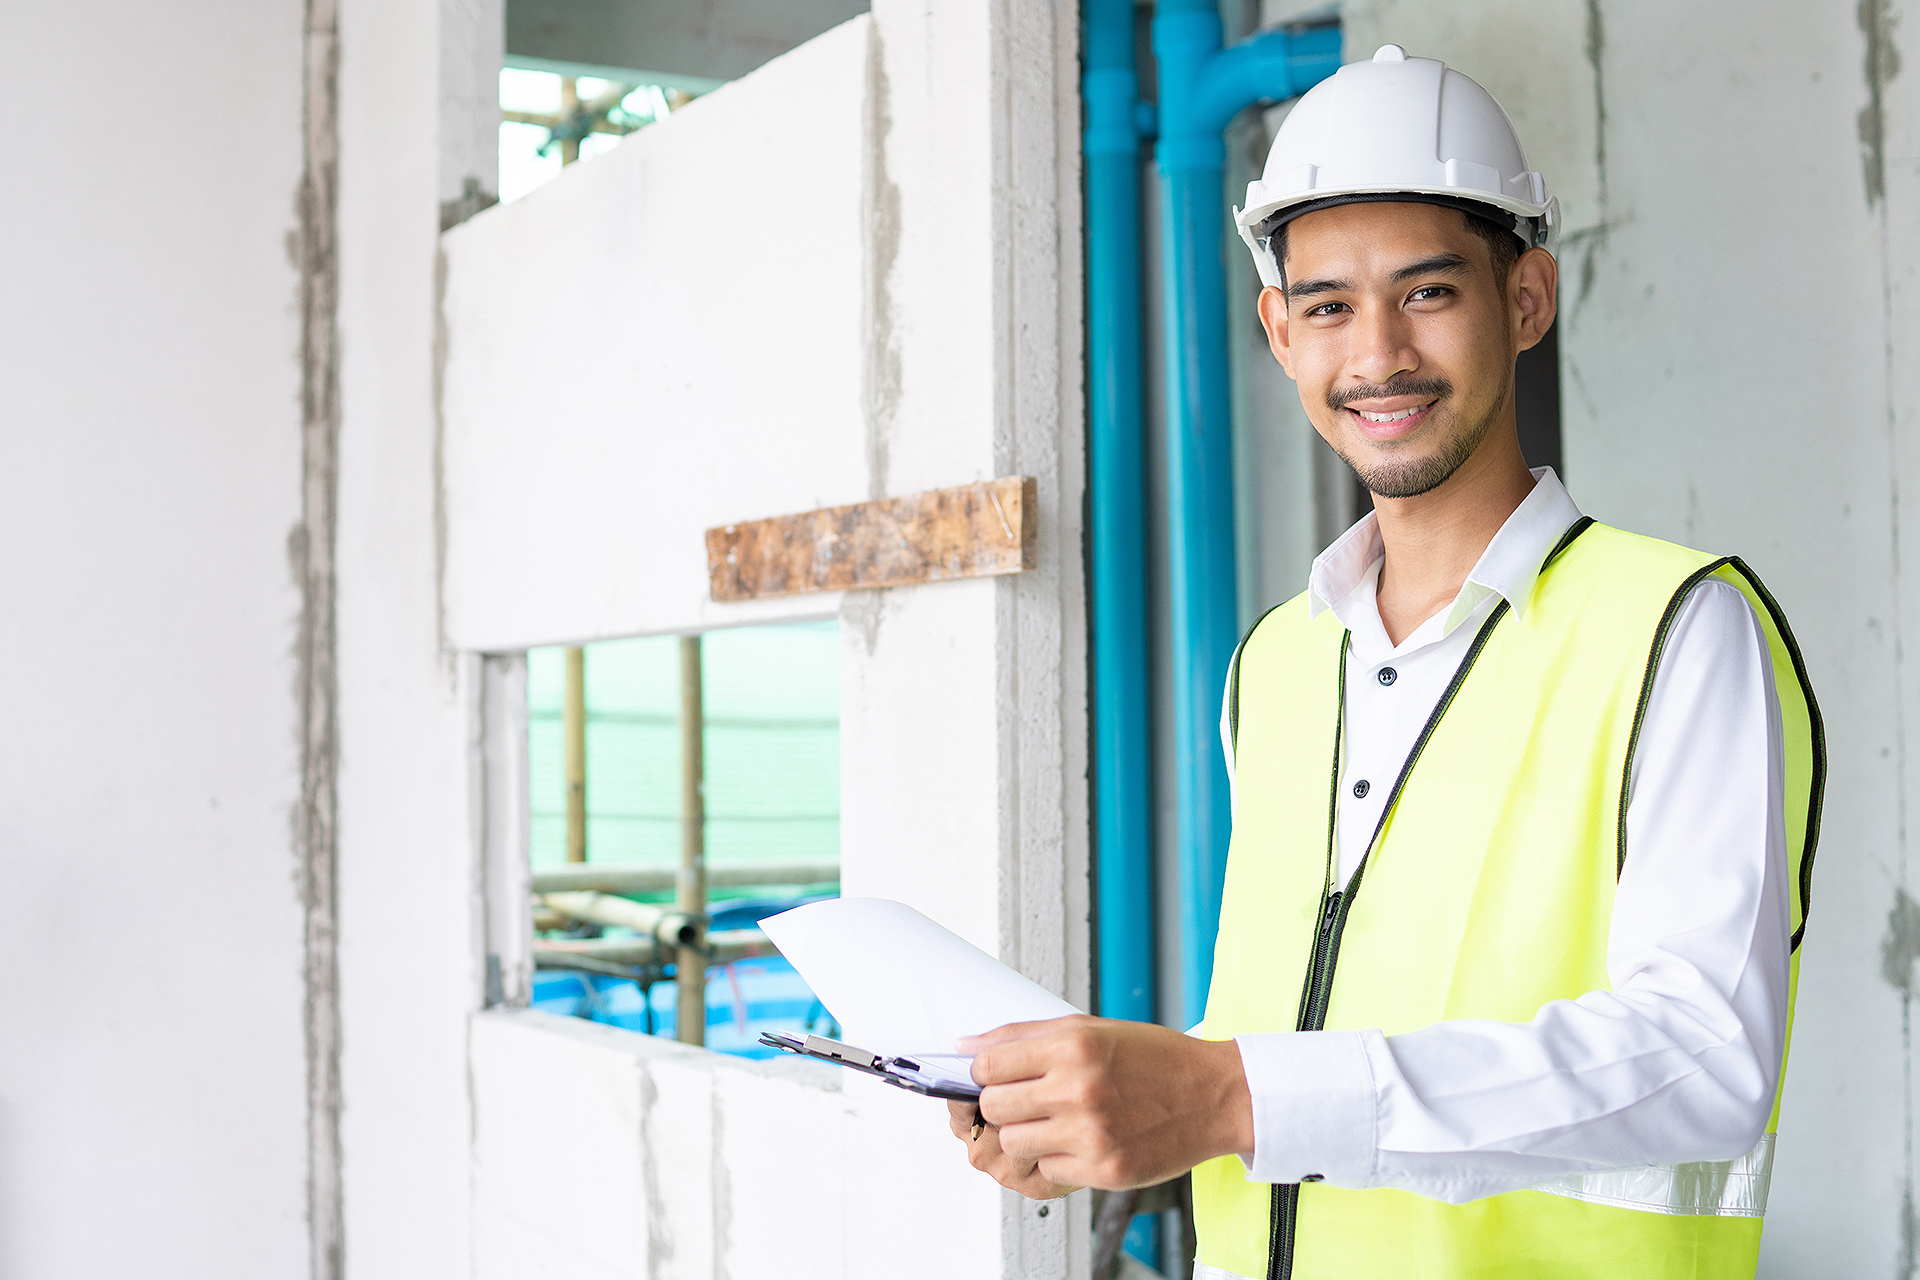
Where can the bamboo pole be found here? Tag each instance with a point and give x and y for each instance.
(573, 719)
(691, 891)
(569, 107)
(636, 878)
(724, 946)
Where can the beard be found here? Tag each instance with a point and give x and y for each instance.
(1411, 477)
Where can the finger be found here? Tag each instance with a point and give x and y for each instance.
(960, 1118)
(1017, 1103)
(1024, 1059)
(1012, 1031)
(1041, 1139)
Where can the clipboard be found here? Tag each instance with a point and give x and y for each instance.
(903, 1073)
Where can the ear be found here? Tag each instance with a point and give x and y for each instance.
(1532, 296)
(1273, 318)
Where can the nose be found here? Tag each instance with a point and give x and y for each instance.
(1382, 345)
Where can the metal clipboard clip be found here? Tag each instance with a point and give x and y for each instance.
(902, 1073)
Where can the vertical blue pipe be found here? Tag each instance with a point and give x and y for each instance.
(1202, 87)
(1117, 465)
(1116, 447)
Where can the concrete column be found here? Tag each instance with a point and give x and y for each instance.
(964, 731)
(418, 146)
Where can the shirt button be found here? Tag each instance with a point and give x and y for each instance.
(1360, 789)
(1388, 675)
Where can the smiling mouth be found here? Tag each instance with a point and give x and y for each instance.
(1383, 426)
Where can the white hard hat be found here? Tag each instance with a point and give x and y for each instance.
(1396, 128)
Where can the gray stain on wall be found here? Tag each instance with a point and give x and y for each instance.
(882, 252)
(1882, 65)
(310, 552)
(1898, 952)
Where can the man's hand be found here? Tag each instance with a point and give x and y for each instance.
(1093, 1102)
(984, 1154)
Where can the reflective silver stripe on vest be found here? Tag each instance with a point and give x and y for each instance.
(1722, 1188)
(1201, 1271)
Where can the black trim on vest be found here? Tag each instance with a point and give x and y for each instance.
(1336, 905)
(1818, 725)
(1233, 677)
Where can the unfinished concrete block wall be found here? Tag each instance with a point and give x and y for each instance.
(853, 273)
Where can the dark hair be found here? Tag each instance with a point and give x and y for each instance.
(1502, 246)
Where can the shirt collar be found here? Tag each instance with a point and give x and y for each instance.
(1344, 573)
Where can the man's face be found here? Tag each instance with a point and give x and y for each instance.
(1400, 337)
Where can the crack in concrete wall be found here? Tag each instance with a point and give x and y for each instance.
(864, 611)
(1596, 49)
(881, 199)
(310, 548)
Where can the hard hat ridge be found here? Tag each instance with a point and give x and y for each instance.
(1396, 128)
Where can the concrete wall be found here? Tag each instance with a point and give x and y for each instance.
(665, 339)
(153, 1109)
(417, 130)
(852, 274)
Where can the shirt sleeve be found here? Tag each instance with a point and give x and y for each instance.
(1679, 1062)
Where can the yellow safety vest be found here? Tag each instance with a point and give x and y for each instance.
(1486, 892)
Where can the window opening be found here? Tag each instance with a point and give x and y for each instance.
(549, 119)
(609, 830)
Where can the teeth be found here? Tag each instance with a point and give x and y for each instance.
(1389, 417)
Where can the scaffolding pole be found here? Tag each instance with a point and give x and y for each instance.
(691, 897)
(573, 722)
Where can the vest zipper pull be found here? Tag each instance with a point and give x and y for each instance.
(1333, 909)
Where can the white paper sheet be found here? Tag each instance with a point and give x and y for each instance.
(899, 984)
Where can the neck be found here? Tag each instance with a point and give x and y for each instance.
(1433, 540)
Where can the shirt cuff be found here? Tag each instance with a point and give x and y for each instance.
(1314, 1107)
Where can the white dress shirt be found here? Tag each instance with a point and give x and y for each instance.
(1679, 1061)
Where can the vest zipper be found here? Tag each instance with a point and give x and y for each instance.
(1314, 1000)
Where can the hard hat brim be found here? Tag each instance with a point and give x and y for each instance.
(1506, 219)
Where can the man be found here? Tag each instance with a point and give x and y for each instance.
(1525, 806)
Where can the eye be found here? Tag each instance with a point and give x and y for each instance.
(1327, 309)
(1429, 293)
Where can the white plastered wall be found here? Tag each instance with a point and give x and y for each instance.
(854, 273)
(418, 130)
(153, 1115)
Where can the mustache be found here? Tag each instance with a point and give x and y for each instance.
(1438, 388)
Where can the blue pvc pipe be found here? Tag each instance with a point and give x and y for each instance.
(1122, 755)
(1116, 448)
(1202, 87)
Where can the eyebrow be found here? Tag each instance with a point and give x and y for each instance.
(1438, 264)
